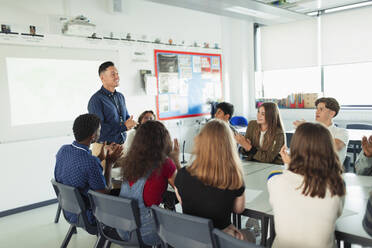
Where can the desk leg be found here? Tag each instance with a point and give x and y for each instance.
(347, 244)
(234, 217)
(239, 220)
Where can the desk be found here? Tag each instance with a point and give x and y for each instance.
(348, 226)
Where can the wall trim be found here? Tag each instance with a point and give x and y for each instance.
(27, 207)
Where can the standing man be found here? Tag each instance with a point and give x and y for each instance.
(327, 108)
(109, 105)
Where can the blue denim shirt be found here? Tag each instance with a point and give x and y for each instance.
(110, 108)
(77, 167)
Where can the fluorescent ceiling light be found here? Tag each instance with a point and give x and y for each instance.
(314, 13)
(251, 12)
(351, 6)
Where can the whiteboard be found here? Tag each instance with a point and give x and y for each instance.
(43, 89)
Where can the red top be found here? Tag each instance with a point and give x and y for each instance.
(157, 183)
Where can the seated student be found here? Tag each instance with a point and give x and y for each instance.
(147, 115)
(264, 137)
(77, 167)
(363, 165)
(148, 167)
(213, 187)
(327, 108)
(224, 112)
(367, 221)
(308, 197)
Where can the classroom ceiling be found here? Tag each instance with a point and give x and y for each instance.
(265, 12)
(307, 6)
(250, 10)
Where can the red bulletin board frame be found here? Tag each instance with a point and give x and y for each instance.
(156, 51)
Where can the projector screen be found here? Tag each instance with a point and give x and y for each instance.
(49, 90)
(43, 90)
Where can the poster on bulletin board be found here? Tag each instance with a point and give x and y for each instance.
(186, 82)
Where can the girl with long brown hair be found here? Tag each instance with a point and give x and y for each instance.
(147, 115)
(213, 187)
(264, 137)
(150, 164)
(307, 198)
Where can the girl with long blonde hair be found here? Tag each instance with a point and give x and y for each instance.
(213, 187)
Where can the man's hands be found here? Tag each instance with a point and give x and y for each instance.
(284, 154)
(130, 123)
(367, 146)
(243, 141)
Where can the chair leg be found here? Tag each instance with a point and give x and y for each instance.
(107, 244)
(69, 234)
(264, 229)
(100, 243)
(56, 219)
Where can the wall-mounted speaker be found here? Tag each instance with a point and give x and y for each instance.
(115, 6)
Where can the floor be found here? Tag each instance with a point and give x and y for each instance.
(36, 228)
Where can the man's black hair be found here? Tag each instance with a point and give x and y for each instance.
(85, 126)
(104, 66)
(227, 108)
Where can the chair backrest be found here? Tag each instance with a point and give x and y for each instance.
(359, 126)
(224, 240)
(288, 137)
(239, 121)
(182, 230)
(70, 200)
(113, 211)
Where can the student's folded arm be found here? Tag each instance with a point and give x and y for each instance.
(239, 204)
(172, 179)
(272, 153)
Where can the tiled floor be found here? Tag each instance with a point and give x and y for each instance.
(36, 228)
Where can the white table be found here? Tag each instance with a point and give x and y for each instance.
(348, 226)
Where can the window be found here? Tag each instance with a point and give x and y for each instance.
(349, 83)
(281, 83)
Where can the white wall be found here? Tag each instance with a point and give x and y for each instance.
(28, 166)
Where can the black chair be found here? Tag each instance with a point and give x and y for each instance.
(347, 165)
(70, 199)
(113, 213)
(359, 126)
(182, 230)
(266, 221)
(288, 137)
(224, 240)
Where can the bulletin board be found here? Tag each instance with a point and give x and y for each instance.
(186, 82)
